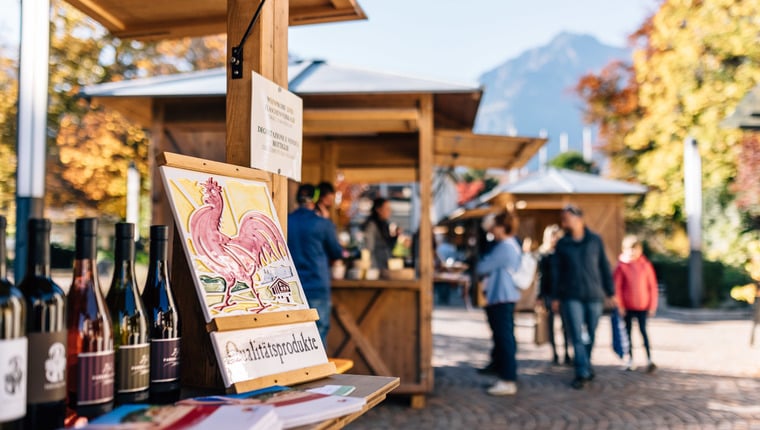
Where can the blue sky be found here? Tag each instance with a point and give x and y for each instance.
(444, 39)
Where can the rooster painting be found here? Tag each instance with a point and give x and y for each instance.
(236, 259)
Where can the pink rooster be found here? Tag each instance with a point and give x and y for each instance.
(236, 259)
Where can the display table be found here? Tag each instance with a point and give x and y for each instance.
(372, 388)
(456, 280)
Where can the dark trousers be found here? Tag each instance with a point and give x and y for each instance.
(552, 334)
(501, 318)
(641, 317)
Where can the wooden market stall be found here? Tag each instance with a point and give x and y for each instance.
(370, 127)
(265, 53)
(538, 198)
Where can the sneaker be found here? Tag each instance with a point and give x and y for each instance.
(579, 383)
(629, 366)
(503, 388)
(651, 367)
(488, 370)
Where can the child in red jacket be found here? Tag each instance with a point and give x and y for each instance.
(636, 289)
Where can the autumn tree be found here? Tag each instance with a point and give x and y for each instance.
(9, 83)
(612, 103)
(91, 146)
(694, 61)
(573, 160)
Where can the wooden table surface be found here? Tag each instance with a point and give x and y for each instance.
(372, 388)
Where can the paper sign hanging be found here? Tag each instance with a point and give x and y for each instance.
(276, 128)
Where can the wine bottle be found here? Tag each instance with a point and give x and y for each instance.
(90, 356)
(13, 347)
(163, 321)
(130, 325)
(46, 331)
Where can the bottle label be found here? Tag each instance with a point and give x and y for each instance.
(47, 367)
(164, 360)
(133, 368)
(95, 377)
(13, 372)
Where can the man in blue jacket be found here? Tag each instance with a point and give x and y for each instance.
(582, 282)
(313, 244)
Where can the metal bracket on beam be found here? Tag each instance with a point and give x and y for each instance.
(236, 60)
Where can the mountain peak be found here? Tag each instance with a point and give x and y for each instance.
(533, 91)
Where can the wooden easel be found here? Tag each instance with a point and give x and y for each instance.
(200, 367)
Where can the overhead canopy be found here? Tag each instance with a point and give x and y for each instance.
(563, 181)
(456, 104)
(142, 19)
(548, 189)
(479, 151)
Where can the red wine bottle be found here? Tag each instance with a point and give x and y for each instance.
(90, 356)
(13, 348)
(46, 331)
(163, 321)
(130, 325)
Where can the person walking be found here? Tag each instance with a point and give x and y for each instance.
(313, 244)
(582, 281)
(552, 234)
(501, 296)
(636, 288)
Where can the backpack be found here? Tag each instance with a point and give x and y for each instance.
(525, 274)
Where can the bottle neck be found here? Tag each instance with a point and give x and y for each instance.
(124, 257)
(84, 260)
(158, 251)
(38, 259)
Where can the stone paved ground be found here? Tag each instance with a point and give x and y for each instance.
(707, 378)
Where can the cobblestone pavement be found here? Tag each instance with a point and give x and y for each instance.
(706, 380)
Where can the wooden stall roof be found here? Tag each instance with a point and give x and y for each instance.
(455, 104)
(563, 181)
(550, 189)
(165, 19)
(455, 148)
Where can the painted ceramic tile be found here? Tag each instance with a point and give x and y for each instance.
(234, 244)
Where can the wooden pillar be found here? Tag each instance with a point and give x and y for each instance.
(426, 140)
(266, 52)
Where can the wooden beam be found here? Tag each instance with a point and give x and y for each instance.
(188, 27)
(96, 11)
(474, 162)
(426, 149)
(318, 15)
(373, 114)
(353, 128)
(266, 53)
(379, 175)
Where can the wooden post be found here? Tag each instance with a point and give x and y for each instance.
(266, 52)
(426, 137)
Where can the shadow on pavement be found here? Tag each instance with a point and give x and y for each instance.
(616, 399)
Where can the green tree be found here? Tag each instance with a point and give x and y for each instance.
(572, 160)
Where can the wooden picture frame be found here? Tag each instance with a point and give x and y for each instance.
(210, 367)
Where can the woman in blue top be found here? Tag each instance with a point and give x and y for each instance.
(501, 296)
